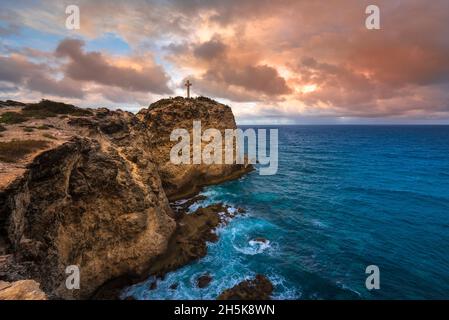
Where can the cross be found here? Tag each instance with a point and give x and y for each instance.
(188, 84)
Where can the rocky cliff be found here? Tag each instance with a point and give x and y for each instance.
(162, 117)
(90, 188)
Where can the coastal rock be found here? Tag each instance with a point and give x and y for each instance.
(260, 240)
(259, 288)
(189, 241)
(79, 204)
(182, 181)
(174, 286)
(203, 281)
(93, 193)
(182, 206)
(21, 290)
(153, 285)
(241, 210)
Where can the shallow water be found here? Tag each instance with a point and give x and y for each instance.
(344, 197)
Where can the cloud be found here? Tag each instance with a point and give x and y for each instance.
(93, 66)
(210, 50)
(70, 72)
(301, 58)
(15, 69)
(224, 72)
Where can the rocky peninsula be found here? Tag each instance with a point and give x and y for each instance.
(92, 188)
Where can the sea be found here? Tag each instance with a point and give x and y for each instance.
(344, 198)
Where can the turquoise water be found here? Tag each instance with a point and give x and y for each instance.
(344, 197)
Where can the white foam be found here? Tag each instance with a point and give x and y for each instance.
(255, 247)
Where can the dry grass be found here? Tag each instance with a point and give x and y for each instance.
(14, 150)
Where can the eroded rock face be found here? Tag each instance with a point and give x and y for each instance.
(84, 204)
(189, 241)
(162, 117)
(96, 196)
(21, 290)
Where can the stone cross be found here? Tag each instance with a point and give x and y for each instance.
(188, 84)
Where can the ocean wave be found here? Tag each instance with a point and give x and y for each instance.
(318, 223)
(254, 247)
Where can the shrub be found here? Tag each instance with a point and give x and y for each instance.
(14, 150)
(205, 99)
(28, 129)
(12, 118)
(47, 108)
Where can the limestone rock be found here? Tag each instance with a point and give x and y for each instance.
(181, 181)
(21, 290)
(204, 280)
(95, 195)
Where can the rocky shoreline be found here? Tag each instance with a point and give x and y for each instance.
(187, 244)
(95, 193)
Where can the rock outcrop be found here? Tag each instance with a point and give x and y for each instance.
(181, 181)
(95, 194)
(21, 290)
(259, 288)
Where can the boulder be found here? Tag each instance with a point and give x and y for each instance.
(259, 288)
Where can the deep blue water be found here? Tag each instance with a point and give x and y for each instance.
(344, 197)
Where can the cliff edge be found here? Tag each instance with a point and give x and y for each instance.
(90, 188)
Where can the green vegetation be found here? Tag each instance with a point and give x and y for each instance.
(47, 108)
(14, 150)
(28, 129)
(176, 101)
(43, 127)
(12, 118)
(42, 110)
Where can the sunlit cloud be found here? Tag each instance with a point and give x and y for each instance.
(271, 61)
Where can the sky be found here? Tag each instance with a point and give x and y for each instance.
(273, 62)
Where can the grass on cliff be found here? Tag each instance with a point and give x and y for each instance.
(169, 101)
(12, 118)
(16, 149)
(42, 110)
(47, 108)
